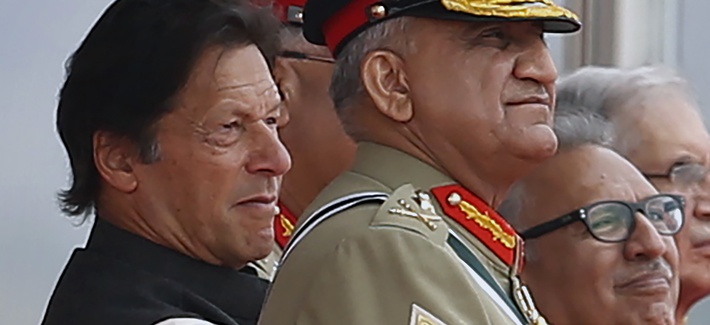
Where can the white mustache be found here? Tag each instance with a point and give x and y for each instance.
(658, 267)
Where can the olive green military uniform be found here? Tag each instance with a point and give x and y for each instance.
(394, 241)
(368, 265)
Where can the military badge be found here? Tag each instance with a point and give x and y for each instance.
(420, 316)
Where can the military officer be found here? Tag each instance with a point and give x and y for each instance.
(303, 71)
(450, 102)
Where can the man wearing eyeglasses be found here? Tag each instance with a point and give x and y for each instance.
(655, 123)
(598, 236)
(319, 148)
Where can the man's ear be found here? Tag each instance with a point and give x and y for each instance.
(115, 157)
(385, 80)
(286, 79)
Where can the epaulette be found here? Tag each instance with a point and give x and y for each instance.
(481, 220)
(413, 210)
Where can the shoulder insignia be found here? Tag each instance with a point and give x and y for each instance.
(480, 220)
(284, 224)
(426, 213)
(412, 209)
(420, 316)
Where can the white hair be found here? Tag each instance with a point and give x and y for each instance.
(592, 95)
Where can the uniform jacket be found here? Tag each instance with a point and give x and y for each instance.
(369, 265)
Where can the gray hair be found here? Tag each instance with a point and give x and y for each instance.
(512, 207)
(347, 85)
(588, 98)
(512, 211)
(577, 125)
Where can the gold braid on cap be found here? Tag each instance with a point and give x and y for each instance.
(510, 8)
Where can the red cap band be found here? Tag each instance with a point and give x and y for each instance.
(346, 21)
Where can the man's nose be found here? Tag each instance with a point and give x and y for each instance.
(267, 153)
(645, 243)
(536, 63)
(701, 196)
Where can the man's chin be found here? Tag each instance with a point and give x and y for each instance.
(660, 311)
(261, 251)
(263, 254)
(534, 143)
(535, 150)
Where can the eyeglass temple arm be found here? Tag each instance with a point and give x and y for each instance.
(551, 225)
(656, 175)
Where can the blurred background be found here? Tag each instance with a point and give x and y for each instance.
(37, 36)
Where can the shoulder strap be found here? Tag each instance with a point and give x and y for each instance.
(330, 209)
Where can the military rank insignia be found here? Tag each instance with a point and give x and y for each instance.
(479, 219)
(284, 225)
(427, 213)
(420, 316)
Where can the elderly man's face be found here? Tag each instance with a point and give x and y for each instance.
(218, 177)
(578, 279)
(482, 89)
(663, 134)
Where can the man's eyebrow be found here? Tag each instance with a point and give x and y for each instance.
(682, 160)
(248, 111)
(276, 107)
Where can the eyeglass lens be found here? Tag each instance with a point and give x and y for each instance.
(689, 174)
(614, 221)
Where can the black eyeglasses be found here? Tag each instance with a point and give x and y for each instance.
(615, 221)
(305, 56)
(684, 174)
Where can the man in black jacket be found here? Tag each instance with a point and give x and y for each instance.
(169, 116)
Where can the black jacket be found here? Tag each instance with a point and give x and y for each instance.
(122, 278)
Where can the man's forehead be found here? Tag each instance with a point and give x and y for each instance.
(245, 63)
(660, 126)
(241, 69)
(256, 87)
(230, 77)
(586, 175)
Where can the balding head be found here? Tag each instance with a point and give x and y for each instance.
(571, 179)
(576, 278)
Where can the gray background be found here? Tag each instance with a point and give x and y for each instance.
(36, 36)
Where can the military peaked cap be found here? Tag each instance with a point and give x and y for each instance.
(335, 22)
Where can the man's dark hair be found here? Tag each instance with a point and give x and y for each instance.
(127, 72)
